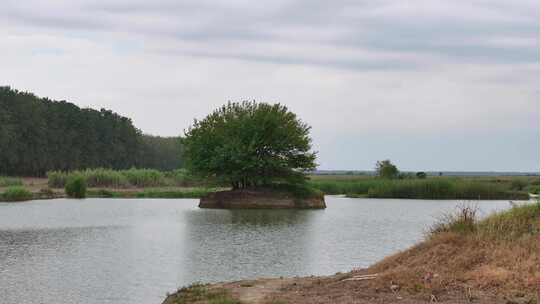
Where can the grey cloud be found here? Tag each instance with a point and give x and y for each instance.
(256, 22)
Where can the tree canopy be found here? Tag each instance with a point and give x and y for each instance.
(39, 134)
(385, 169)
(249, 144)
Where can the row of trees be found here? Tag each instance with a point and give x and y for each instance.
(39, 134)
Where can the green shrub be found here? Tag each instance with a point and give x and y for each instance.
(76, 187)
(421, 175)
(533, 189)
(57, 179)
(518, 184)
(10, 181)
(16, 194)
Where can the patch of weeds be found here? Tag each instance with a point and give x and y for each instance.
(17, 194)
(201, 293)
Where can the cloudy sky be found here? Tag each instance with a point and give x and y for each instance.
(432, 85)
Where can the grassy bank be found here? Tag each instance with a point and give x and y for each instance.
(498, 254)
(430, 188)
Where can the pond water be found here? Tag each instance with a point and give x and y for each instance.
(135, 251)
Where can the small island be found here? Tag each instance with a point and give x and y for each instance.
(261, 150)
(260, 199)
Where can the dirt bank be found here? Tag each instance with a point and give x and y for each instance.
(260, 199)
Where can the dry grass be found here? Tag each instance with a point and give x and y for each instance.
(498, 255)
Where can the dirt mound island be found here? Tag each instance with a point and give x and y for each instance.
(262, 199)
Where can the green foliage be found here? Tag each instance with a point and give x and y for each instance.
(429, 188)
(385, 169)
(103, 177)
(200, 293)
(421, 175)
(144, 177)
(297, 190)
(39, 135)
(76, 187)
(533, 189)
(518, 184)
(191, 193)
(57, 179)
(16, 194)
(250, 144)
(442, 189)
(343, 186)
(162, 153)
(10, 181)
(112, 178)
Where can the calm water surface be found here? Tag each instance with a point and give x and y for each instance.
(98, 251)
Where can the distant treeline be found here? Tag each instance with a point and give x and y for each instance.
(38, 135)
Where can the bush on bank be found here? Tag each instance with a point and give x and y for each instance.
(76, 187)
(16, 194)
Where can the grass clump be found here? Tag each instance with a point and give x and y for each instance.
(57, 179)
(10, 181)
(76, 187)
(16, 194)
(144, 177)
(203, 294)
(463, 221)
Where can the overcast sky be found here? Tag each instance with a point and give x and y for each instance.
(432, 85)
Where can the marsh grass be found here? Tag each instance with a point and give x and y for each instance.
(10, 181)
(430, 188)
(443, 189)
(132, 178)
(16, 194)
(344, 186)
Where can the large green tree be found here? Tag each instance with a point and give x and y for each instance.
(385, 169)
(250, 144)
